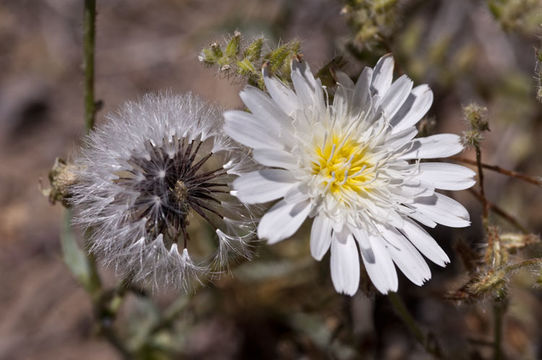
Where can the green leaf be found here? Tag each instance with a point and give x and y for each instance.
(246, 67)
(81, 265)
(254, 51)
(232, 49)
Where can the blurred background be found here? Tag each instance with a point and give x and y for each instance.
(282, 305)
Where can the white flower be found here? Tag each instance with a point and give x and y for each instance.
(156, 167)
(354, 167)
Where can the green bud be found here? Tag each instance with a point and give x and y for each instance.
(253, 51)
(232, 49)
(245, 67)
(216, 50)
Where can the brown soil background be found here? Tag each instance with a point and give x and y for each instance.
(152, 45)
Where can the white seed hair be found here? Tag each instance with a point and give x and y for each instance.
(127, 224)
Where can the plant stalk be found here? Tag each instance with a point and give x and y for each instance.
(500, 170)
(89, 33)
(104, 316)
(432, 347)
(499, 308)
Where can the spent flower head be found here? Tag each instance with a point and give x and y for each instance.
(157, 170)
(353, 165)
(476, 117)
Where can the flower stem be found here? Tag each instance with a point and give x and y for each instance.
(431, 346)
(104, 315)
(511, 173)
(499, 211)
(483, 199)
(89, 32)
(499, 308)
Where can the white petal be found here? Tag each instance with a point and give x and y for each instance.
(420, 217)
(274, 158)
(424, 242)
(396, 96)
(283, 220)
(407, 258)
(414, 108)
(263, 107)
(283, 96)
(362, 94)
(297, 194)
(446, 176)
(442, 210)
(380, 267)
(341, 101)
(362, 238)
(320, 236)
(410, 191)
(400, 138)
(247, 130)
(305, 71)
(382, 75)
(344, 80)
(344, 265)
(308, 90)
(435, 146)
(263, 185)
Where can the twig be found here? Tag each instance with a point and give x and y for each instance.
(89, 32)
(108, 332)
(499, 300)
(480, 342)
(524, 263)
(432, 347)
(89, 29)
(499, 211)
(102, 298)
(511, 173)
(499, 308)
(483, 199)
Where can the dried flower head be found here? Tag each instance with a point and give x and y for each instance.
(150, 178)
(476, 117)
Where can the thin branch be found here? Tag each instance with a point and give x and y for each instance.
(499, 211)
(499, 308)
(483, 199)
(108, 332)
(500, 170)
(89, 32)
(432, 347)
(524, 263)
(480, 342)
(103, 314)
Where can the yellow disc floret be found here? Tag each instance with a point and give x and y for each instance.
(343, 165)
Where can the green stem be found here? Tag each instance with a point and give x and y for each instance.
(499, 211)
(398, 305)
(89, 32)
(499, 308)
(485, 204)
(103, 313)
(499, 302)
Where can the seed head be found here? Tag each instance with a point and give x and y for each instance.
(152, 181)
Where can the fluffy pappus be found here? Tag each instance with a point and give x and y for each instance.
(153, 182)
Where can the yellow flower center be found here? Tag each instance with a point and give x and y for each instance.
(343, 164)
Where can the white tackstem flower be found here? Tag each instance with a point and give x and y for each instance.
(155, 166)
(354, 166)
